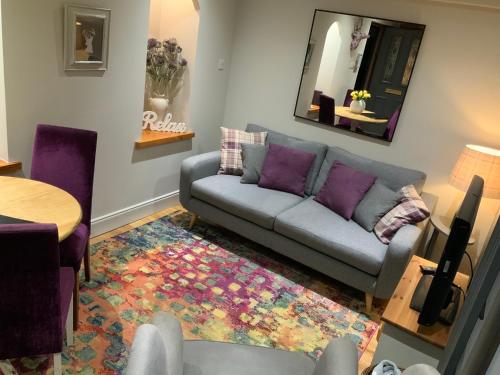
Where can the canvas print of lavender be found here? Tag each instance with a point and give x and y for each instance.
(165, 67)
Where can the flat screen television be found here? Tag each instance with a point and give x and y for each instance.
(436, 297)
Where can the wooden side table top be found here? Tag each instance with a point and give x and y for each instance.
(443, 225)
(38, 202)
(398, 312)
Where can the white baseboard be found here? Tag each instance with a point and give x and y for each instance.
(132, 213)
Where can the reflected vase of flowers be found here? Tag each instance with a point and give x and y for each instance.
(358, 103)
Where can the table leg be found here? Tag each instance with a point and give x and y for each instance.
(431, 243)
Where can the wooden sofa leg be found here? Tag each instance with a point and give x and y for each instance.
(86, 260)
(76, 299)
(192, 221)
(368, 302)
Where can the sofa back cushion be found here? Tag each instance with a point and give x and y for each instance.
(392, 176)
(313, 147)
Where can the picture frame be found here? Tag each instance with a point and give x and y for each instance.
(86, 38)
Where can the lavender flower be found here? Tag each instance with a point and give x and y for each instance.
(152, 43)
(165, 67)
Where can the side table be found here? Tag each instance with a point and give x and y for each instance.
(440, 225)
(402, 340)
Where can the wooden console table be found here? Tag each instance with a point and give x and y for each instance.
(402, 340)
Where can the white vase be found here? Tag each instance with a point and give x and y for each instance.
(159, 106)
(357, 106)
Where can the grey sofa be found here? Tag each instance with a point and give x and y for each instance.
(301, 228)
(159, 349)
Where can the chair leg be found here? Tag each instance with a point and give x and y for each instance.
(76, 299)
(368, 302)
(57, 364)
(69, 324)
(192, 221)
(86, 260)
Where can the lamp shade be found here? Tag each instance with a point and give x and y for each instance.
(481, 161)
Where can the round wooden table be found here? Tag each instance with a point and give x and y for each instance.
(39, 202)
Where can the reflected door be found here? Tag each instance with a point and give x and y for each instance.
(392, 68)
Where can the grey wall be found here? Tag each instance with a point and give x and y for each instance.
(39, 91)
(450, 102)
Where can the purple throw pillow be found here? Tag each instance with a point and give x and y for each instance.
(343, 189)
(286, 169)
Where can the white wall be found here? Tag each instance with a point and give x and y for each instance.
(39, 91)
(177, 19)
(450, 102)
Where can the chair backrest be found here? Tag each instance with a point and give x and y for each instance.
(347, 102)
(148, 355)
(326, 110)
(30, 306)
(315, 99)
(391, 125)
(65, 157)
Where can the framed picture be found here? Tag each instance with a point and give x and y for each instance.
(86, 38)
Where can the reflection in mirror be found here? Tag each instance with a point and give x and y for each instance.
(356, 72)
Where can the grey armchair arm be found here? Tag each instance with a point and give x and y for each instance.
(339, 358)
(195, 168)
(159, 349)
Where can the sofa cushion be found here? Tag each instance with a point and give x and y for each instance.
(344, 188)
(286, 169)
(250, 202)
(282, 139)
(392, 176)
(314, 225)
(253, 157)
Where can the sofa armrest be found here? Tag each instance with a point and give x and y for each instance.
(339, 358)
(400, 250)
(195, 168)
(402, 247)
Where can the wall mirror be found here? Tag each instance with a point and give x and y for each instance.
(350, 53)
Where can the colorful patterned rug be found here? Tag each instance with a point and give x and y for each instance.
(220, 286)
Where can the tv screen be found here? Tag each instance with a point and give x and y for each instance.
(440, 292)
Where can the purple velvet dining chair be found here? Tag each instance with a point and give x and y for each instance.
(343, 121)
(315, 98)
(35, 293)
(391, 125)
(65, 157)
(326, 110)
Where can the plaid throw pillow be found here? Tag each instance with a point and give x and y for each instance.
(410, 210)
(230, 161)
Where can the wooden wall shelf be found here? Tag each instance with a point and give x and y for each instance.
(8, 167)
(151, 138)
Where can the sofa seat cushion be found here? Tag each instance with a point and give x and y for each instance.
(250, 202)
(314, 225)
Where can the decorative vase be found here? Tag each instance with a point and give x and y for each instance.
(159, 105)
(357, 106)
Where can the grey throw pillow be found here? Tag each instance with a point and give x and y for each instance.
(253, 156)
(375, 204)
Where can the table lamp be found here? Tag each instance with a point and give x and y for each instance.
(481, 161)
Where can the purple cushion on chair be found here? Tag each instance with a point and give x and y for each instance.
(344, 188)
(286, 169)
(66, 282)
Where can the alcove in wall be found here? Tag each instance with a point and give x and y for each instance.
(177, 19)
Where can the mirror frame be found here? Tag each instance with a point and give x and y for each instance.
(304, 69)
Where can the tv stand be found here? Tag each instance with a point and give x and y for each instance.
(401, 339)
(447, 315)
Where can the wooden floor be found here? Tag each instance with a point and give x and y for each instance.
(365, 359)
